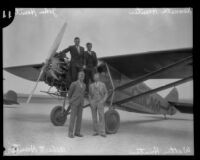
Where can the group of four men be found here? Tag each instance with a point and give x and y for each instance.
(83, 70)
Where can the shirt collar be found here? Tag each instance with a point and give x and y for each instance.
(90, 52)
(96, 83)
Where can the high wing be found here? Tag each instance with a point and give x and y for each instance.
(29, 72)
(136, 65)
(131, 65)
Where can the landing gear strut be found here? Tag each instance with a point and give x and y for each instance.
(59, 114)
(112, 119)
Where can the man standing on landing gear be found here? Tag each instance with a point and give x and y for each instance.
(77, 58)
(91, 65)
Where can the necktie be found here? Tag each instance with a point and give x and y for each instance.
(96, 84)
(78, 49)
(81, 84)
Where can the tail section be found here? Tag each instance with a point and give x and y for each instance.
(172, 96)
(10, 98)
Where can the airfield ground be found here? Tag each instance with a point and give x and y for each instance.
(27, 130)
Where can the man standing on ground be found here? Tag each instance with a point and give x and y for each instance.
(97, 97)
(76, 101)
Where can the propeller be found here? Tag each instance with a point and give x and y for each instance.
(51, 53)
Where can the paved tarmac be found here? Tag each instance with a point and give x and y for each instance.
(27, 130)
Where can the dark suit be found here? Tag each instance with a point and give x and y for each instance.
(76, 101)
(91, 64)
(77, 60)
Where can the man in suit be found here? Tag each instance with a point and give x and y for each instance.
(90, 64)
(77, 58)
(97, 97)
(76, 101)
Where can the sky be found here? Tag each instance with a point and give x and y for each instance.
(29, 37)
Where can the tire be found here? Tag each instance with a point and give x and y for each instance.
(57, 117)
(112, 121)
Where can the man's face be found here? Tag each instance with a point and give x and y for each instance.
(77, 41)
(96, 77)
(89, 47)
(81, 76)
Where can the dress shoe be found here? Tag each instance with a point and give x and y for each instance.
(70, 136)
(103, 135)
(78, 135)
(95, 134)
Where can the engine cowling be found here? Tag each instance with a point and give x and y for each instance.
(57, 73)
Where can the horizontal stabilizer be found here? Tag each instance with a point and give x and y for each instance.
(183, 107)
(9, 102)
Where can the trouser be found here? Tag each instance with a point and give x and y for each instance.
(89, 73)
(74, 69)
(98, 125)
(75, 118)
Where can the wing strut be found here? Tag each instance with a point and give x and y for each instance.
(113, 87)
(149, 75)
(154, 90)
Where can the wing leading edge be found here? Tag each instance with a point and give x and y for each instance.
(29, 72)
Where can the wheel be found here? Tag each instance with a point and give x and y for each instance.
(58, 117)
(112, 121)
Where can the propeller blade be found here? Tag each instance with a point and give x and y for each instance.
(32, 92)
(57, 41)
(51, 53)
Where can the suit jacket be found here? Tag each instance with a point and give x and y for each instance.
(97, 92)
(76, 93)
(90, 59)
(76, 57)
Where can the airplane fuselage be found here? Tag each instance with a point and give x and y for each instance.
(151, 104)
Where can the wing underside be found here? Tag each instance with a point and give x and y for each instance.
(29, 72)
(136, 65)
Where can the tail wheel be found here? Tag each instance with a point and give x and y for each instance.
(112, 121)
(58, 117)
